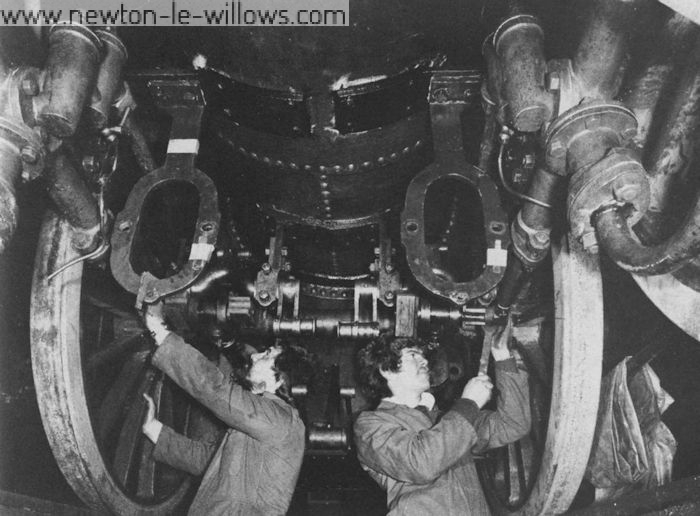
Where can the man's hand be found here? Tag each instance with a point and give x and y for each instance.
(153, 317)
(478, 389)
(500, 340)
(151, 426)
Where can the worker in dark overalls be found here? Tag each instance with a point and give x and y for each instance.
(254, 469)
(423, 460)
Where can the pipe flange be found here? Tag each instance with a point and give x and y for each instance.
(617, 179)
(530, 245)
(597, 116)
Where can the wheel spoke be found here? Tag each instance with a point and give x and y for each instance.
(112, 352)
(117, 397)
(127, 456)
(147, 466)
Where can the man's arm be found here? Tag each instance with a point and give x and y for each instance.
(418, 457)
(511, 420)
(204, 381)
(174, 449)
(183, 453)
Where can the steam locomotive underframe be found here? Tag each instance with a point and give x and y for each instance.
(327, 200)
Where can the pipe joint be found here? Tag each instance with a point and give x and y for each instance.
(619, 179)
(530, 245)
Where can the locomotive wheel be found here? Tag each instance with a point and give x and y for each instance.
(90, 363)
(541, 473)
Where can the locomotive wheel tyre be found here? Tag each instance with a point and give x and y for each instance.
(576, 377)
(59, 367)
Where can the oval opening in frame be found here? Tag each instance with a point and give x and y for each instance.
(454, 235)
(166, 226)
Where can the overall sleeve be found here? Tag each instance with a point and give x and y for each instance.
(385, 446)
(511, 419)
(183, 453)
(205, 382)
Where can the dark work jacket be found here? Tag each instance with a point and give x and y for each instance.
(427, 467)
(255, 468)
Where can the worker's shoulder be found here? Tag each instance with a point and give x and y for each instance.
(385, 413)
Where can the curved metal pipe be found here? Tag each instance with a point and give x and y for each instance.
(670, 158)
(74, 202)
(615, 236)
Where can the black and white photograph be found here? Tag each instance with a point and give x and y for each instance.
(349, 257)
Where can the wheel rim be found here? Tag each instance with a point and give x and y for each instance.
(90, 396)
(549, 480)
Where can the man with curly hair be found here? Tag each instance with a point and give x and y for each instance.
(423, 460)
(253, 470)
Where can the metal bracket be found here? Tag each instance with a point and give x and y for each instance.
(183, 100)
(389, 281)
(267, 280)
(449, 97)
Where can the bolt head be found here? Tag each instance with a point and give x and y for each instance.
(557, 149)
(627, 192)
(541, 239)
(590, 242)
(30, 87)
(90, 164)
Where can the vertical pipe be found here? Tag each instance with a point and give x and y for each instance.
(74, 201)
(10, 170)
(601, 55)
(663, 59)
(519, 45)
(72, 65)
(670, 155)
(109, 77)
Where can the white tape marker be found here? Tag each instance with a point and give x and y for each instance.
(201, 251)
(496, 256)
(183, 146)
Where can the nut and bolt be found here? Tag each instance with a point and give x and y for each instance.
(557, 149)
(629, 133)
(29, 155)
(590, 242)
(540, 239)
(90, 165)
(440, 95)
